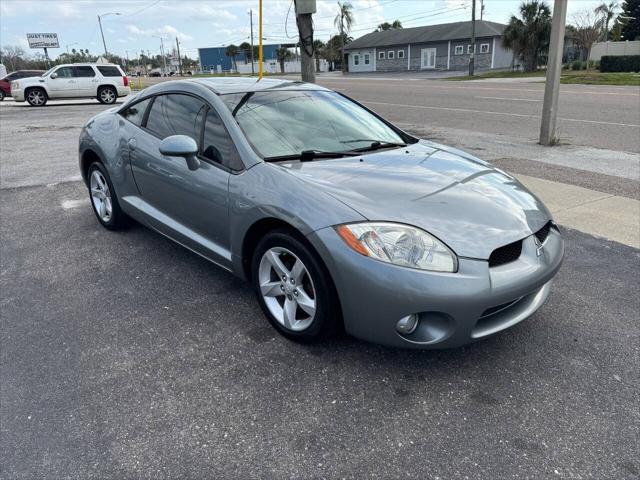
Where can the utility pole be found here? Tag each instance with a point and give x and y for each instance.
(481, 9)
(164, 58)
(251, 19)
(554, 68)
(179, 58)
(304, 10)
(342, 65)
(472, 57)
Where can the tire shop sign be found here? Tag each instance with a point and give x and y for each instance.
(43, 40)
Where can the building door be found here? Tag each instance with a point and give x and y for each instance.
(428, 58)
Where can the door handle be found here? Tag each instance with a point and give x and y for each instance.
(132, 143)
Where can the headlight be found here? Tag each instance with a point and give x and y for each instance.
(399, 244)
(15, 85)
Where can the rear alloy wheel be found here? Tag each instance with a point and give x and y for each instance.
(293, 288)
(107, 95)
(103, 199)
(36, 97)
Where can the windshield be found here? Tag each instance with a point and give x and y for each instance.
(279, 123)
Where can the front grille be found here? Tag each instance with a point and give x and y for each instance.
(508, 253)
(543, 232)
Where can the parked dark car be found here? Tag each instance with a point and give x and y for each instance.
(154, 74)
(5, 83)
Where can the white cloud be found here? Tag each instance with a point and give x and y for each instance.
(166, 30)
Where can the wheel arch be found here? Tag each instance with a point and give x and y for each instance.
(42, 87)
(86, 159)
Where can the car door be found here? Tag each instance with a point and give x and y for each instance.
(189, 206)
(86, 81)
(64, 83)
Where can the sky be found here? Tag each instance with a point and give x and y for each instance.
(207, 23)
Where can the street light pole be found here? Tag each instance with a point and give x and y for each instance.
(164, 58)
(104, 44)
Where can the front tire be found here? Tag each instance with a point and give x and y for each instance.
(36, 97)
(103, 198)
(2, 95)
(293, 288)
(107, 95)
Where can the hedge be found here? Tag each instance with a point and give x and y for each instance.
(623, 63)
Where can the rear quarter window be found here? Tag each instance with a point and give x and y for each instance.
(110, 71)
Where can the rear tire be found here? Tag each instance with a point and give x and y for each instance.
(294, 288)
(36, 97)
(2, 95)
(104, 199)
(107, 95)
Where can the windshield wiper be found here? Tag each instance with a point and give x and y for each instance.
(377, 145)
(308, 155)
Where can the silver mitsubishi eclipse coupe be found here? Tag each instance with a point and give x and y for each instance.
(337, 217)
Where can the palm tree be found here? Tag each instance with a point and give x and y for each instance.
(528, 36)
(232, 51)
(245, 47)
(383, 27)
(283, 54)
(318, 52)
(607, 11)
(344, 21)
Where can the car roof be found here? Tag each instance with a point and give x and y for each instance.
(223, 86)
(94, 64)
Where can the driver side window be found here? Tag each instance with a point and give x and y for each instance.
(65, 72)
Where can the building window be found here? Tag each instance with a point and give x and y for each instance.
(459, 49)
(390, 54)
(356, 59)
(400, 53)
(469, 49)
(381, 55)
(366, 59)
(484, 48)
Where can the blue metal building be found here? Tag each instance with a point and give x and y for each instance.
(211, 57)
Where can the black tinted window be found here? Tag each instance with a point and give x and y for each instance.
(110, 71)
(135, 113)
(175, 114)
(217, 144)
(85, 71)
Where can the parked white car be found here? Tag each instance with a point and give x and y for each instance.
(103, 81)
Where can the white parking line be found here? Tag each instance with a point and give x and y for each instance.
(467, 110)
(507, 98)
(69, 204)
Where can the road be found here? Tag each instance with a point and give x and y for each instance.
(602, 117)
(122, 355)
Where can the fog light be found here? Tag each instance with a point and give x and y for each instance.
(408, 324)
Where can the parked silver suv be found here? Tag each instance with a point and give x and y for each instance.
(103, 81)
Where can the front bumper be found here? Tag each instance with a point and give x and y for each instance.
(17, 94)
(453, 308)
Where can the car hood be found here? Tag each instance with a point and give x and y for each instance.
(467, 203)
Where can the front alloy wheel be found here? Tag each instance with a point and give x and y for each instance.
(293, 287)
(101, 196)
(287, 289)
(36, 97)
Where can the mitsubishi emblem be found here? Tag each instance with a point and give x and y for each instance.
(539, 246)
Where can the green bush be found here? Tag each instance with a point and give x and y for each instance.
(622, 63)
(578, 65)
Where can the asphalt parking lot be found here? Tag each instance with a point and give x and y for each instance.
(125, 356)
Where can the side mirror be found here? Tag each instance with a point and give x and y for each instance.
(181, 146)
(54, 75)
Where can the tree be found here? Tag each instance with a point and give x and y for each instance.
(344, 21)
(607, 12)
(245, 47)
(383, 27)
(588, 30)
(13, 56)
(318, 52)
(528, 36)
(232, 51)
(283, 54)
(630, 20)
